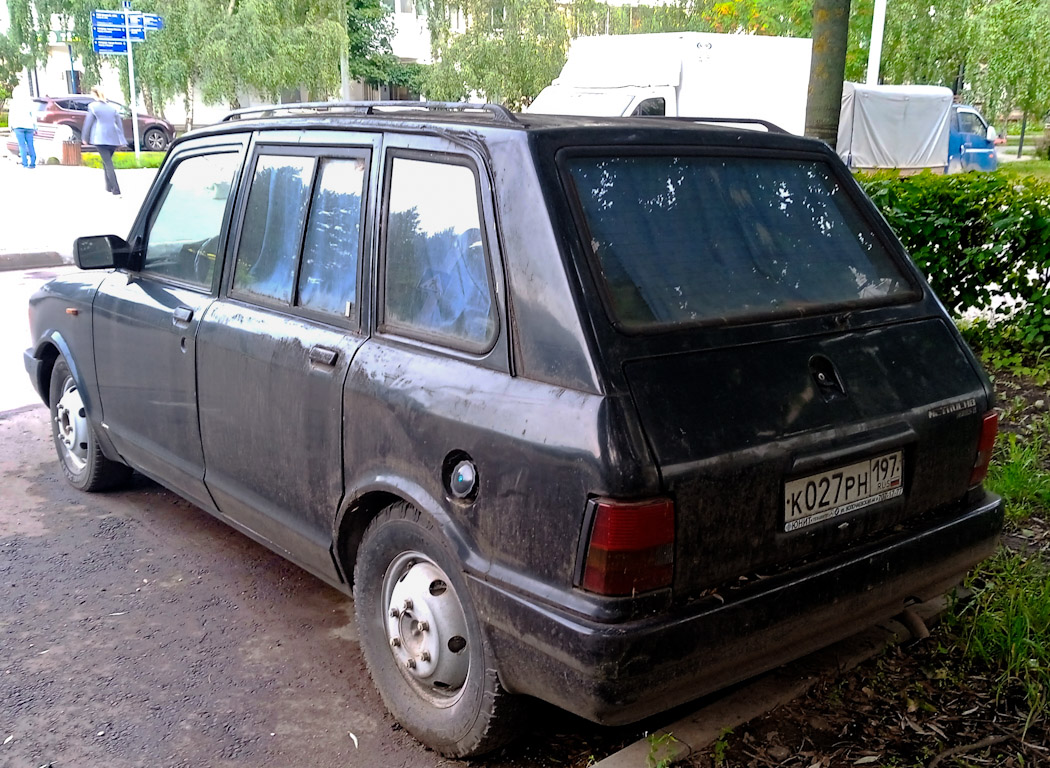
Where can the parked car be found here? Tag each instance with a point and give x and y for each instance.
(609, 412)
(155, 133)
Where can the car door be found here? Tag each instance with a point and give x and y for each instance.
(145, 320)
(273, 352)
(977, 152)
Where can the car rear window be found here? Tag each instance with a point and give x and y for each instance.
(682, 239)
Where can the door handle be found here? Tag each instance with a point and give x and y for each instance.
(182, 315)
(323, 355)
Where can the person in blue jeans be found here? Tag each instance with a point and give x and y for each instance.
(22, 120)
(104, 128)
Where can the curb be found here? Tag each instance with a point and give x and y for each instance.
(13, 261)
(699, 730)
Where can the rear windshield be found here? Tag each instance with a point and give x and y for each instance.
(682, 240)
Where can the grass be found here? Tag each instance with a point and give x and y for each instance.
(1005, 627)
(1018, 472)
(124, 160)
(1040, 169)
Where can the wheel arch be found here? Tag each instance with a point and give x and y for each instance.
(364, 505)
(51, 345)
(47, 351)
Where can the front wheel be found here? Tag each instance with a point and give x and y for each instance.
(83, 463)
(422, 640)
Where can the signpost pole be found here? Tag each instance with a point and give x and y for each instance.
(131, 79)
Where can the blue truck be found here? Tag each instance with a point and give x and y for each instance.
(913, 128)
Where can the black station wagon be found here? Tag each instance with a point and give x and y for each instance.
(605, 412)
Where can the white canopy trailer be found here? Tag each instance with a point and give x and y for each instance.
(895, 126)
(685, 74)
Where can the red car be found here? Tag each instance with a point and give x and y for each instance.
(155, 134)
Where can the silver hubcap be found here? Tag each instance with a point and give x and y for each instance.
(426, 626)
(72, 427)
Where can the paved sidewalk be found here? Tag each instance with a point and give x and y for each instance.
(44, 209)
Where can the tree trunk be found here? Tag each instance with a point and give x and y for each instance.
(1020, 143)
(827, 67)
(190, 101)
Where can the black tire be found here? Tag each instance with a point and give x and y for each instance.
(155, 140)
(79, 455)
(404, 553)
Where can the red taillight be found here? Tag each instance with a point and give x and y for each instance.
(989, 429)
(631, 547)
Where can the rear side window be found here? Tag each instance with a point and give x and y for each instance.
(273, 227)
(437, 282)
(328, 280)
(301, 236)
(682, 240)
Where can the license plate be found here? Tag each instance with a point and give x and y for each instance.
(836, 492)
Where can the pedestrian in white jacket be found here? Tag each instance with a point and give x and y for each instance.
(21, 118)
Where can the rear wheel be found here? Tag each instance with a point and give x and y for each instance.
(422, 640)
(82, 461)
(155, 140)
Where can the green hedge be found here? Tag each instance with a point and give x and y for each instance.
(975, 236)
(125, 160)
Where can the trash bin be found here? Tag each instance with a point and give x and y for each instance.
(71, 154)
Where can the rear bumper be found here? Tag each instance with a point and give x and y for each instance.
(621, 673)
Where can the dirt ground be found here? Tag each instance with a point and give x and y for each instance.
(137, 630)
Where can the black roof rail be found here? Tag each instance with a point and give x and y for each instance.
(771, 127)
(499, 113)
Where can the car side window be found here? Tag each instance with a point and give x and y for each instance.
(273, 227)
(655, 107)
(328, 277)
(437, 281)
(184, 229)
(971, 123)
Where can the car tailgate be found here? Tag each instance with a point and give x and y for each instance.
(730, 427)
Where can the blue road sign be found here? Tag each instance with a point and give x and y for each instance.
(126, 5)
(117, 33)
(110, 46)
(152, 21)
(101, 16)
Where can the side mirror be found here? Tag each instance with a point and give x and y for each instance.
(101, 252)
(992, 134)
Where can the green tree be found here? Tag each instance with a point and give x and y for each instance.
(510, 50)
(11, 65)
(369, 30)
(927, 42)
(273, 45)
(170, 64)
(226, 47)
(1013, 46)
